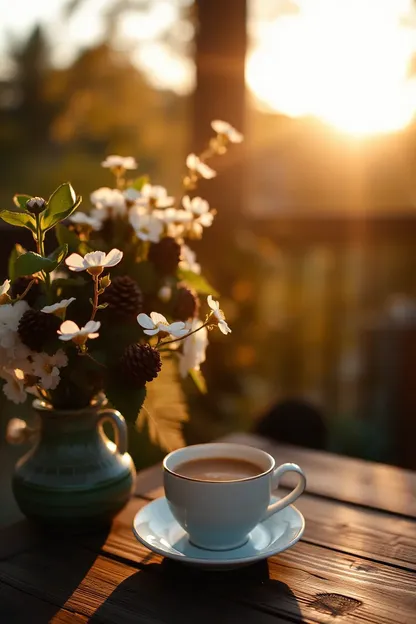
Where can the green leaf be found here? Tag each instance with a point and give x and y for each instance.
(199, 380)
(64, 235)
(197, 282)
(61, 204)
(139, 183)
(20, 200)
(21, 219)
(59, 254)
(31, 262)
(102, 306)
(17, 251)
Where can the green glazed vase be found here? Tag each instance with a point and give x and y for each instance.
(74, 476)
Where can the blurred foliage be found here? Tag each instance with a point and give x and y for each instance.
(56, 124)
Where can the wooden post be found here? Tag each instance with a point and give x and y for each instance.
(221, 43)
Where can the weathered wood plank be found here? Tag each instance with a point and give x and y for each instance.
(338, 526)
(343, 478)
(17, 607)
(111, 591)
(307, 583)
(340, 478)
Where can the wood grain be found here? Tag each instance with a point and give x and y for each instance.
(291, 587)
(354, 563)
(337, 526)
(340, 478)
(350, 480)
(17, 607)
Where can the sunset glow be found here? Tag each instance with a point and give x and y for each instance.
(346, 63)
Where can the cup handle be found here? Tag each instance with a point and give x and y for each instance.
(293, 495)
(119, 425)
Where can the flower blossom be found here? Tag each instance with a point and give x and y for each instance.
(70, 331)
(194, 348)
(146, 225)
(200, 208)
(219, 315)
(154, 196)
(188, 260)
(195, 164)
(94, 262)
(5, 287)
(156, 323)
(82, 219)
(108, 204)
(58, 307)
(46, 367)
(223, 128)
(114, 161)
(14, 388)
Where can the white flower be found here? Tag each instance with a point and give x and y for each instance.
(194, 163)
(57, 307)
(94, 262)
(131, 194)
(227, 130)
(146, 226)
(16, 432)
(70, 331)
(80, 218)
(157, 196)
(196, 205)
(109, 203)
(194, 348)
(156, 323)
(5, 287)
(219, 315)
(46, 367)
(10, 316)
(14, 388)
(165, 293)
(115, 161)
(196, 227)
(172, 215)
(188, 260)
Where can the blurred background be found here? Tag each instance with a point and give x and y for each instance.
(316, 222)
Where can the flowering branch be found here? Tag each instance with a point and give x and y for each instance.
(206, 324)
(95, 299)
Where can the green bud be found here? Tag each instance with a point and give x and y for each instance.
(36, 205)
(105, 282)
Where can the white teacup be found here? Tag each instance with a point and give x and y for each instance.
(219, 515)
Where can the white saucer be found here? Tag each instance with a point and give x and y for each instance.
(155, 527)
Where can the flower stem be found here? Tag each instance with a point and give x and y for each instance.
(95, 300)
(24, 293)
(40, 247)
(207, 322)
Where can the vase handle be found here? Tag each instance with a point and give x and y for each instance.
(119, 425)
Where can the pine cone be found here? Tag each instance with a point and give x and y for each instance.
(186, 304)
(140, 363)
(36, 329)
(19, 286)
(124, 297)
(165, 255)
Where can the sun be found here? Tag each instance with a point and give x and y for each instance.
(345, 62)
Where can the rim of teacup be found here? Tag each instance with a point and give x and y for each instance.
(236, 447)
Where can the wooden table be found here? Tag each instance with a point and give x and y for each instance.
(355, 563)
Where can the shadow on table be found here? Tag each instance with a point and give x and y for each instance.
(175, 594)
(46, 565)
